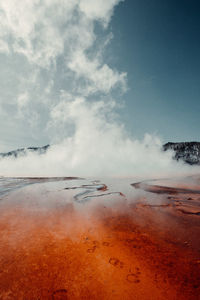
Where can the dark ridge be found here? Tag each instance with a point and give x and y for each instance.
(189, 152)
(24, 151)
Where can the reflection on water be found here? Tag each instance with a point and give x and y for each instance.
(183, 197)
(93, 190)
(73, 238)
(9, 184)
(87, 190)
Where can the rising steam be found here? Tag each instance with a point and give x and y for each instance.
(61, 89)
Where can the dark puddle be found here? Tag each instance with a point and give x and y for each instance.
(163, 189)
(89, 191)
(179, 198)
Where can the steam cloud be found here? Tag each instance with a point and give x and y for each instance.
(58, 87)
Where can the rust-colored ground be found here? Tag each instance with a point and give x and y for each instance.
(144, 248)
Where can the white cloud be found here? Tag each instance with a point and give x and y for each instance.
(40, 30)
(36, 34)
(57, 77)
(101, 77)
(4, 47)
(36, 27)
(22, 100)
(98, 10)
(99, 147)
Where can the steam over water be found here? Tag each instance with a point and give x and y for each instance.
(99, 238)
(114, 232)
(106, 234)
(99, 154)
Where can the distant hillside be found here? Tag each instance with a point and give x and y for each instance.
(24, 151)
(189, 152)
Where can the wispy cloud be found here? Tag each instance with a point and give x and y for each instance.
(51, 46)
(56, 85)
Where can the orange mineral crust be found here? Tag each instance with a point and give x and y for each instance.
(85, 239)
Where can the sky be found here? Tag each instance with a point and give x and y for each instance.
(158, 44)
(131, 68)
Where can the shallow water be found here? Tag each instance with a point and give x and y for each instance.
(97, 238)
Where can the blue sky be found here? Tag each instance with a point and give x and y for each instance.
(158, 44)
(58, 59)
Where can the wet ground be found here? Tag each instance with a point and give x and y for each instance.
(73, 238)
